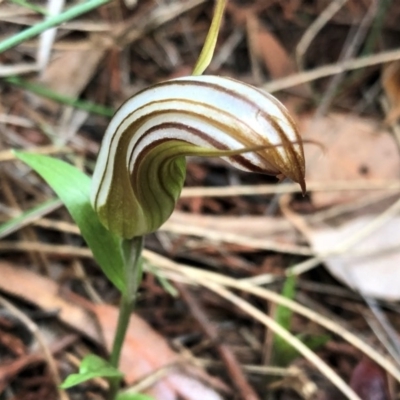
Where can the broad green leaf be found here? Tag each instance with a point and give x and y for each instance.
(73, 187)
(91, 367)
(133, 396)
(207, 52)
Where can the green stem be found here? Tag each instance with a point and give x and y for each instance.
(41, 90)
(131, 250)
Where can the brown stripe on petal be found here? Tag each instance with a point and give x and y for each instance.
(234, 131)
(268, 117)
(239, 159)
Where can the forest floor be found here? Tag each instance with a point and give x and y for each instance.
(243, 256)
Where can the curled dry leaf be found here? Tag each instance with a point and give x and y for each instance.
(371, 266)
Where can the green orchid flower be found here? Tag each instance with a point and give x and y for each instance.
(141, 166)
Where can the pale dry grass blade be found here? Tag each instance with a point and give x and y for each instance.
(17, 69)
(254, 190)
(331, 69)
(183, 273)
(287, 336)
(313, 30)
(59, 250)
(8, 155)
(200, 276)
(242, 240)
(46, 40)
(16, 120)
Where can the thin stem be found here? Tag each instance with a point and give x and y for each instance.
(50, 94)
(125, 309)
(131, 250)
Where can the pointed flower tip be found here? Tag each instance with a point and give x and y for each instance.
(303, 187)
(140, 169)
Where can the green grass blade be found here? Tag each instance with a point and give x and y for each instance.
(283, 352)
(133, 396)
(30, 6)
(55, 20)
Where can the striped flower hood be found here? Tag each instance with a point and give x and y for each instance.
(141, 166)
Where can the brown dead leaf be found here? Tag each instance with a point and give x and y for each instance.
(371, 266)
(45, 294)
(354, 149)
(391, 85)
(267, 47)
(274, 55)
(70, 71)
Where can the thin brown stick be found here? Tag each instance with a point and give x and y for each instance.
(347, 53)
(254, 190)
(60, 250)
(242, 240)
(315, 27)
(331, 69)
(237, 376)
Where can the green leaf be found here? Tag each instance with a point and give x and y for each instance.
(314, 342)
(133, 396)
(50, 22)
(283, 315)
(211, 40)
(164, 282)
(73, 187)
(91, 367)
(283, 352)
